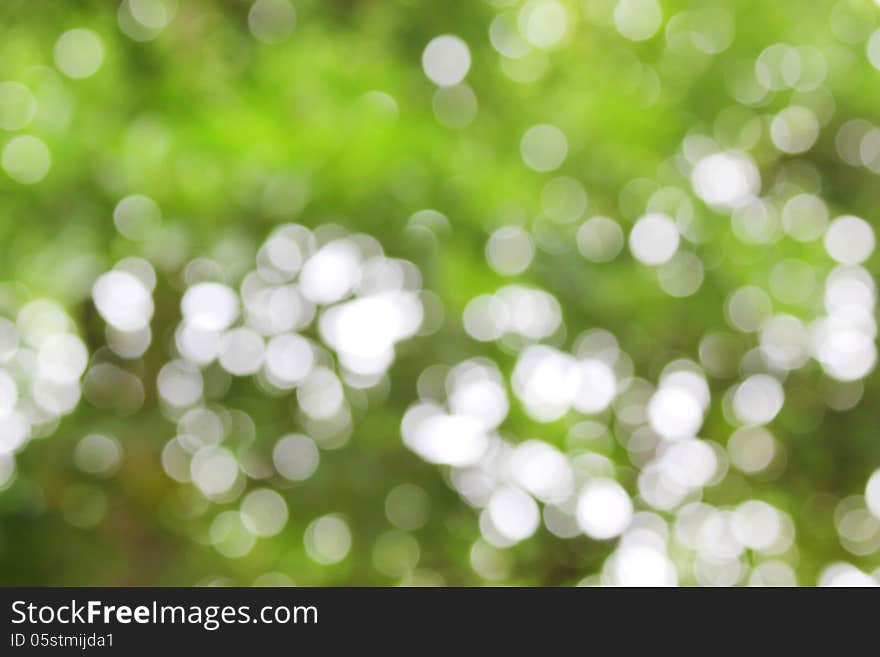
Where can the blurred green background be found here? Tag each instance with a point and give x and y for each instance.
(236, 118)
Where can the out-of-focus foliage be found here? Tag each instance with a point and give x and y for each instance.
(585, 292)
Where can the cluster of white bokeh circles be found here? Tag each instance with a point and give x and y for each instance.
(660, 424)
(42, 362)
(365, 303)
(514, 312)
(321, 312)
(123, 297)
(456, 424)
(550, 382)
(712, 547)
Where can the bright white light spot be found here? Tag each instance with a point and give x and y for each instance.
(281, 258)
(514, 513)
(62, 359)
(364, 331)
(844, 343)
(289, 359)
(321, 395)
(689, 464)
(689, 375)
(14, 432)
(846, 575)
(639, 565)
(757, 525)
(478, 392)
(758, 399)
(849, 240)
(242, 351)
(8, 392)
(180, 383)
(546, 381)
(598, 386)
(331, 273)
(675, 413)
(40, 319)
(485, 318)
(784, 342)
(604, 510)
(448, 439)
(274, 309)
(209, 306)
(56, 398)
(446, 60)
(123, 301)
(726, 180)
(532, 313)
(197, 346)
(542, 470)
(654, 239)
